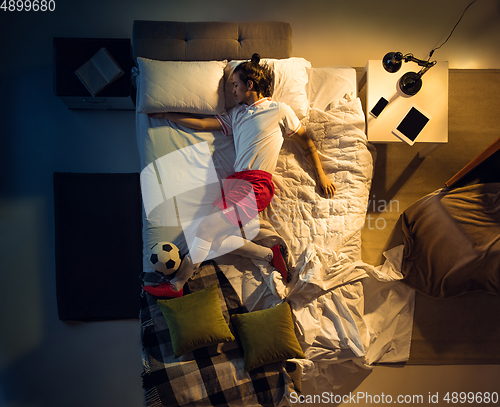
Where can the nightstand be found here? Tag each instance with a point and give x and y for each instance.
(71, 53)
(432, 99)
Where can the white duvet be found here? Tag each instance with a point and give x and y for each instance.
(348, 314)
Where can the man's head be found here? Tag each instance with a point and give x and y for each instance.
(251, 77)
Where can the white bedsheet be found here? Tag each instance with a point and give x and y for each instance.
(349, 314)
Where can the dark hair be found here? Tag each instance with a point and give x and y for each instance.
(261, 75)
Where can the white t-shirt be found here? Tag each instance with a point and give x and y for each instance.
(258, 132)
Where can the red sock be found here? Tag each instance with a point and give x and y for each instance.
(279, 263)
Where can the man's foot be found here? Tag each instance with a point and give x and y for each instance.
(279, 261)
(163, 290)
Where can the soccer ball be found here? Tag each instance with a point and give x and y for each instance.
(164, 257)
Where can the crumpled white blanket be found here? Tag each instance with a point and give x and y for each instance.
(367, 318)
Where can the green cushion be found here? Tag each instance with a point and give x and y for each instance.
(195, 320)
(267, 336)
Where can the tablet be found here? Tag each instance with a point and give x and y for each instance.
(411, 125)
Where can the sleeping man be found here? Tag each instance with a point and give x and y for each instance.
(258, 126)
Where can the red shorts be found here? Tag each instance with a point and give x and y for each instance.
(244, 195)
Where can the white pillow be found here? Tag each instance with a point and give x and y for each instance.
(187, 87)
(290, 80)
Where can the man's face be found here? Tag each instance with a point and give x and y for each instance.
(241, 92)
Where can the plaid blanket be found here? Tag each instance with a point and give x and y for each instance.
(211, 376)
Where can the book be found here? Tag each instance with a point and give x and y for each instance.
(99, 71)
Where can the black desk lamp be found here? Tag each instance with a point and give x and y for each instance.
(411, 82)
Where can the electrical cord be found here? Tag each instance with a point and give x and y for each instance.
(460, 19)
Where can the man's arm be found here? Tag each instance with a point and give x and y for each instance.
(312, 154)
(208, 123)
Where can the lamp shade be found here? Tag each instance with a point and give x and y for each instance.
(392, 61)
(410, 83)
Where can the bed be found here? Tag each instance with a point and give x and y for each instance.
(344, 314)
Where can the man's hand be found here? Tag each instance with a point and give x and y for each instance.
(326, 185)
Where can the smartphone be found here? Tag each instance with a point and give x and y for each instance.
(377, 109)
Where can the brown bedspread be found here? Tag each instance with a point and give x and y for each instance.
(452, 241)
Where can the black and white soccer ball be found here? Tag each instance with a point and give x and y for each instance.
(165, 258)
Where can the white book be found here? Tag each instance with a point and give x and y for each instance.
(99, 71)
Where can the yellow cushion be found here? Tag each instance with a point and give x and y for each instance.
(195, 320)
(267, 336)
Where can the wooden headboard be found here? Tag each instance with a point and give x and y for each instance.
(205, 41)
